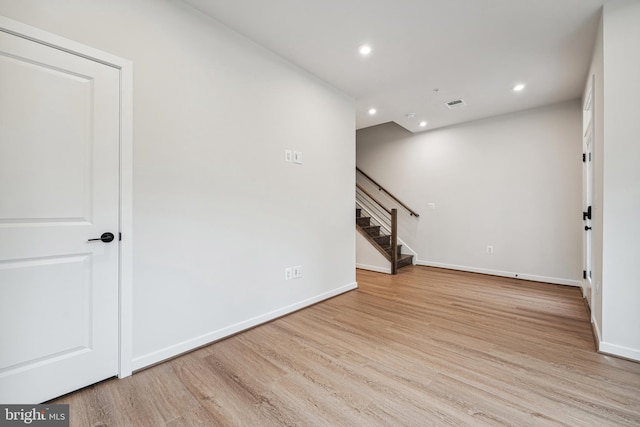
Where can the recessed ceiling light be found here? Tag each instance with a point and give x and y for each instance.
(518, 87)
(364, 50)
(372, 111)
(423, 124)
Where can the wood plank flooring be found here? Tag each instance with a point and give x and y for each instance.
(424, 347)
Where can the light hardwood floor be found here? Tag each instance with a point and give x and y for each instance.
(425, 347)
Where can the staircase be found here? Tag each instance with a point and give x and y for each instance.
(381, 241)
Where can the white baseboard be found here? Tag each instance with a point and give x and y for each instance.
(620, 351)
(191, 344)
(545, 279)
(375, 268)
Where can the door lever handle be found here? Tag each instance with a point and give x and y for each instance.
(106, 238)
(587, 228)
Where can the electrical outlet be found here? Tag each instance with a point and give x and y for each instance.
(297, 157)
(432, 206)
(297, 271)
(288, 273)
(489, 249)
(288, 156)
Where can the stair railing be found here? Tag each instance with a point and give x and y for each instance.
(389, 216)
(381, 188)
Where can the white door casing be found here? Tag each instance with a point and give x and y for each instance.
(65, 163)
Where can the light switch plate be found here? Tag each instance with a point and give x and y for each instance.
(288, 156)
(297, 157)
(297, 271)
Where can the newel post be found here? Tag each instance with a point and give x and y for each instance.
(394, 241)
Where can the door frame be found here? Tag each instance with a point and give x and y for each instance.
(125, 271)
(588, 135)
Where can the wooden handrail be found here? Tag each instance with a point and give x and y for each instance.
(381, 188)
(359, 187)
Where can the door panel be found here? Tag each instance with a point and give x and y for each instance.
(51, 181)
(57, 289)
(59, 187)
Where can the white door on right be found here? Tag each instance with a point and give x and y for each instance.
(59, 188)
(587, 214)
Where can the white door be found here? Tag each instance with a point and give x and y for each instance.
(587, 214)
(59, 187)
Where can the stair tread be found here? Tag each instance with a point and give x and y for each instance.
(404, 260)
(403, 256)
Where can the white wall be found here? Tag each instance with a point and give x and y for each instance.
(368, 257)
(218, 214)
(621, 180)
(513, 182)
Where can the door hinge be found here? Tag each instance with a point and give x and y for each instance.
(119, 236)
(589, 156)
(584, 274)
(584, 157)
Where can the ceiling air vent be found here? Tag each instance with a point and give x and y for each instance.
(452, 105)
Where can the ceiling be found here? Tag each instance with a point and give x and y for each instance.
(428, 52)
